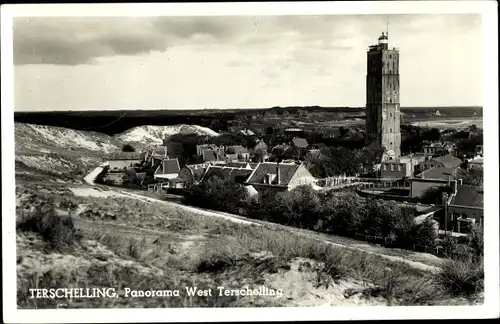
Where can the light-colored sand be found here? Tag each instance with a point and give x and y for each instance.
(90, 178)
(94, 192)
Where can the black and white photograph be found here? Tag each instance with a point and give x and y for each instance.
(274, 161)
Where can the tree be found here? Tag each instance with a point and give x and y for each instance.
(128, 148)
(431, 135)
(471, 177)
(219, 194)
(424, 233)
(340, 214)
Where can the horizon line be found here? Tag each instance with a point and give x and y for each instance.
(239, 108)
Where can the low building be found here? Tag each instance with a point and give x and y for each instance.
(444, 161)
(438, 148)
(402, 167)
(419, 186)
(464, 206)
(475, 163)
(279, 176)
(237, 153)
(168, 173)
(438, 174)
(123, 160)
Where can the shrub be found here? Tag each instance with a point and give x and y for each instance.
(462, 277)
(56, 230)
(217, 193)
(128, 148)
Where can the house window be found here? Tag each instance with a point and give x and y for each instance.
(392, 167)
(385, 167)
(399, 167)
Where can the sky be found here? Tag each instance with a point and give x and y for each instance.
(98, 63)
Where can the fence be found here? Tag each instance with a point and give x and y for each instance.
(368, 182)
(437, 251)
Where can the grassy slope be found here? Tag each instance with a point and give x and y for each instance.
(141, 245)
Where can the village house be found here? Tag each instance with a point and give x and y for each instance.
(475, 163)
(438, 174)
(124, 160)
(167, 174)
(464, 206)
(444, 161)
(419, 185)
(402, 167)
(237, 153)
(438, 149)
(290, 133)
(279, 176)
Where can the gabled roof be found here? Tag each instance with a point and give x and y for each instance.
(300, 142)
(169, 166)
(209, 155)
(469, 196)
(229, 173)
(287, 171)
(438, 173)
(125, 156)
(449, 161)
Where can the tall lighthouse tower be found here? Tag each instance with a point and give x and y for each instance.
(382, 98)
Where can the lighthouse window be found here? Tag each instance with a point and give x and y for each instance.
(390, 114)
(390, 56)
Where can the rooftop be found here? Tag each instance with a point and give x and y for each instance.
(449, 161)
(169, 166)
(438, 173)
(229, 173)
(469, 196)
(300, 142)
(287, 170)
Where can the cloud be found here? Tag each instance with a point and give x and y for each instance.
(73, 41)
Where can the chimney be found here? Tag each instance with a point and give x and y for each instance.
(461, 182)
(278, 175)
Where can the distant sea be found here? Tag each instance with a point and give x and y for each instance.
(457, 123)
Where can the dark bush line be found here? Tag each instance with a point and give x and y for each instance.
(339, 213)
